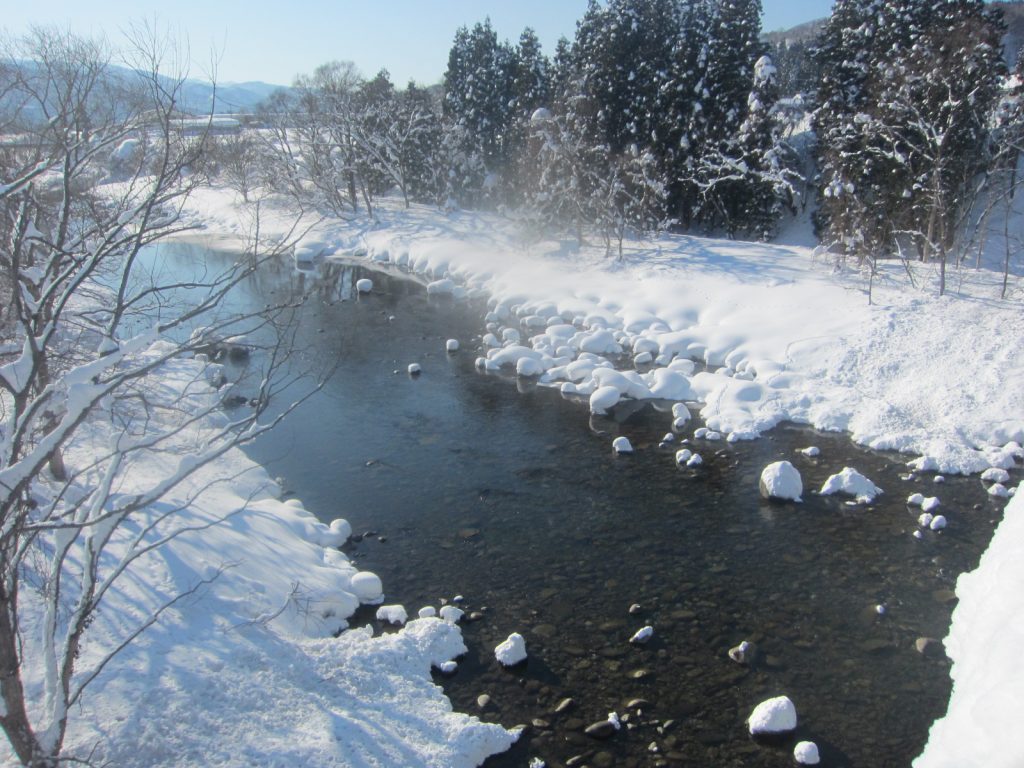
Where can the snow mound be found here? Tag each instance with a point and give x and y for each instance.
(602, 399)
(452, 345)
(981, 726)
(392, 614)
(781, 480)
(365, 285)
(622, 445)
(852, 483)
(772, 716)
(367, 587)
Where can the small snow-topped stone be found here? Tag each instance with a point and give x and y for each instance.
(683, 455)
(392, 614)
(781, 480)
(929, 504)
(604, 398)
(998, 490)
(669, 437)
(440, 287)
(853, 483)
(810, 451)
(528, 367)
(452, 345)
(700, 433)
(414, 369)
(915, 499)
(448, 667)
(680, 411)
(695, 460)
(642, 635)
(924, 464)
(427, 612)
(622, 445)
(938, 523)
(679, 423)
(995, 475)
(925, 519)
(451, 614)
(644, 358)
(512, 651)
(806, 753)
(712, 435)
(365, 285)
(776, 715)
(367, 587)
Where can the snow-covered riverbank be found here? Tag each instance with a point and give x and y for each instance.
(247, 669)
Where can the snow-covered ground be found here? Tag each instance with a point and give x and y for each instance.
(248, 673)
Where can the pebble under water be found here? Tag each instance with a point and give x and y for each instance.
(461, 483)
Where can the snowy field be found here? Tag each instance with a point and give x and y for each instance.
(246, 672)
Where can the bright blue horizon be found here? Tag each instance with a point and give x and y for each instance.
(257, 40)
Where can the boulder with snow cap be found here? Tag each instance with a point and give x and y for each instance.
(781, 480)
(512, 651)
(773, 717)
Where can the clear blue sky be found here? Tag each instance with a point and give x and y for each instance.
(272, 41)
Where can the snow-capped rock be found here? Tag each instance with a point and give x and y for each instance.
(451, 614)
(806, 753)
(929, 504)
(414, 369)
(364, 285)
(642, 635)
(853, 483)
(427, 612)
(773, 716)
(811, 451)
(781, 480)
(452, 345)
(603, 398)
(621, 444)
(392, 614)
(938, 523)
(998, 490)
(683, 455)
(925, 519)
(995, 475)
(695, 461)
(512, 651)
(367, 586)
(915, 500)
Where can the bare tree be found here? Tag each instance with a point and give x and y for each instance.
(89, 332)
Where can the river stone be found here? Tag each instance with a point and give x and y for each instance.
(929, 647)
(603, 729)
(563, 706)
(603, 760)
(483, 701)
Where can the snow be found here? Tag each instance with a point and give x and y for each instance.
(367, 587)
(995, 475)
(852, 483)
(414, 369)
(603, 398)
(364, 285)
(511, 651)
(451, 614)
(777, 715)
(452, 345)
(781, 480)
(980, 726)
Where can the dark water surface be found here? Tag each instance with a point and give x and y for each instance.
(509, 495)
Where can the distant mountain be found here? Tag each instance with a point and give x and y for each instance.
(228, 98)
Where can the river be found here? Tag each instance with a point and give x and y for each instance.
(509, 495)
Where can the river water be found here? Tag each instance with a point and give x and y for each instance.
(460, 483)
